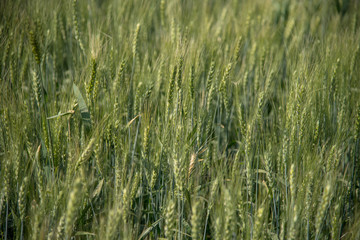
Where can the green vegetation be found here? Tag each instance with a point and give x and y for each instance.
(180, 119)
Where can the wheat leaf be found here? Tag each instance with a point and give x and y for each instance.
(84, 111)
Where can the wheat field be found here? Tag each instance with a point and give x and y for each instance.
(179, 119)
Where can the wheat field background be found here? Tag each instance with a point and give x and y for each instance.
(176, 119)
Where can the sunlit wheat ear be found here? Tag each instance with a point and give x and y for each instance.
(192, 164)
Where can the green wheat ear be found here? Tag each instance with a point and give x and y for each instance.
(72, 207)
(171, 90)
(35, 47)
(76, 24)
(91, 83)
(170, 219)
(135, 41)
(196, 223)
(37, 88)
(179, 120)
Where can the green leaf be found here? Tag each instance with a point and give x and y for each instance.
(149, 229)
(79, 233)
(84, 111)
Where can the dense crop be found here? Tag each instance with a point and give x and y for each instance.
(180, 119)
